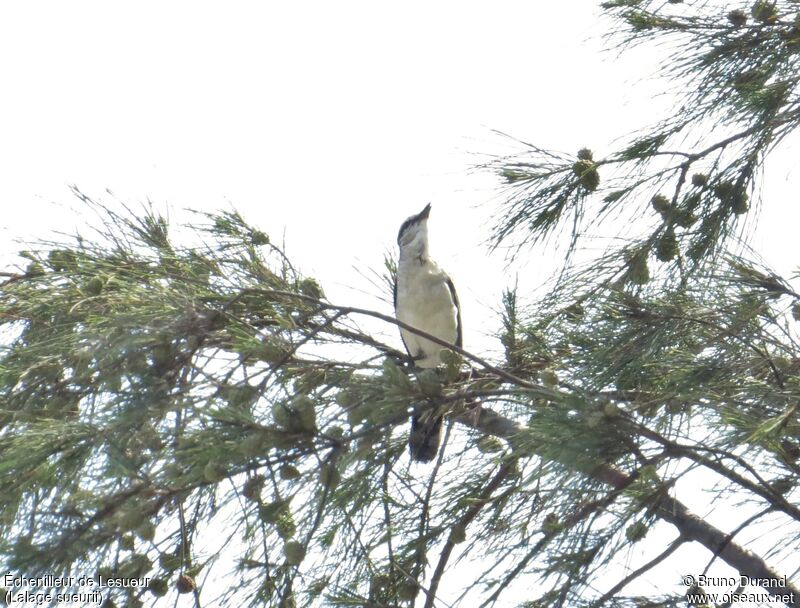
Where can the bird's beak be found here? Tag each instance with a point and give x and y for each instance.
(423, 215)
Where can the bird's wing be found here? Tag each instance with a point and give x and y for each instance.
(394, 295)
(454, 295)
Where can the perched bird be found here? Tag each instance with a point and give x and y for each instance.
(424, 298)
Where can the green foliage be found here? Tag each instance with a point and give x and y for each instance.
(191, 384)
(138, 375)
(153, 391)
(736, 85)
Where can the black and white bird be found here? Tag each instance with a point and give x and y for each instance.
(424, 298)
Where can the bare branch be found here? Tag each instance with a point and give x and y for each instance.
(689, 525)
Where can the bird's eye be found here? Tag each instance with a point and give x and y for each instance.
(407, 236)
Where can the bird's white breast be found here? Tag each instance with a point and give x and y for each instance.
(424, 301)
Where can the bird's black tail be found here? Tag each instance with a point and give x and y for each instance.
(426, 432)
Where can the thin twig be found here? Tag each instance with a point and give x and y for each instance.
(389, 319)
(639, 571)
(471, 514)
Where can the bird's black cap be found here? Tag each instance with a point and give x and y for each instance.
(414, 219)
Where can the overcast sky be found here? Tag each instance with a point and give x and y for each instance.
(326, 122)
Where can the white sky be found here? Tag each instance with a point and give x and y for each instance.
(333, 121)
(327, 121)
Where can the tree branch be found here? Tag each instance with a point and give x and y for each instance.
(639, 571)
(773, 498)
(669, 509)
(501, 373)
(690, 526)
(471, 514)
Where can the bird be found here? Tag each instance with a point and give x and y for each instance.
(426, 299)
